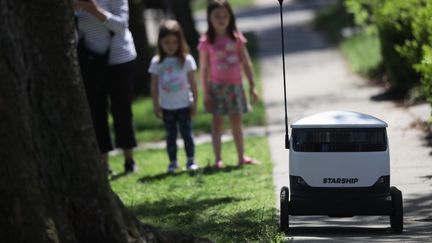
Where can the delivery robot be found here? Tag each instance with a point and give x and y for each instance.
(339, 166)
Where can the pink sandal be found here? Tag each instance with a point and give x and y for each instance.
(249, 161)
(219, 164)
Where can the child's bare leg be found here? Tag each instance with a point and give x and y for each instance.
(217, 129)
(237, 132)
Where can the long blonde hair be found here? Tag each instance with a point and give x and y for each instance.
(172, 27)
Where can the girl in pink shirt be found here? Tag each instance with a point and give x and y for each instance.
(222, 57)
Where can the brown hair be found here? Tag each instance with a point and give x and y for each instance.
(231, 29)
(172, 27)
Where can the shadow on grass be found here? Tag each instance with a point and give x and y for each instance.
(117, 176)
(191, 216)
(172, 208)
(208, 170)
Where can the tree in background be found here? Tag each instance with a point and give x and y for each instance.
(183, 14)
(52, 186)
(138, 29)
(180, 10)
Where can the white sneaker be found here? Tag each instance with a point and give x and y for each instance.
(172, 167)
(192, 166)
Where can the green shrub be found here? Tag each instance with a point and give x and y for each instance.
(393, 20)
(362, 11)
(425, 68)
(405, 32)
(333, 20)
(422, 32)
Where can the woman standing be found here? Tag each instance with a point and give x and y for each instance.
(106, 54)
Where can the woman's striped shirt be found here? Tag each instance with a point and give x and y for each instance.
(112, 34)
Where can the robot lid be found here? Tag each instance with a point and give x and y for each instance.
(339, 119)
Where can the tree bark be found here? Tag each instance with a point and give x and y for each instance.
(52, 186)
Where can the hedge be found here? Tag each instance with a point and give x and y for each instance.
(404, 28)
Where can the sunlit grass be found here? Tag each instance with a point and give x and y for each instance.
(229, 205)
(363, 53)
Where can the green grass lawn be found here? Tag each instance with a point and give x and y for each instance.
(229, 205)
(363, 52)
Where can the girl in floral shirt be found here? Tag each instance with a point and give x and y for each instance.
(174, 91)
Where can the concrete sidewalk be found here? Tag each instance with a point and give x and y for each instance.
(318, 79)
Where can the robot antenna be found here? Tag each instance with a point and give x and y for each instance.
(287, 146)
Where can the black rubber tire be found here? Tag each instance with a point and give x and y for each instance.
(284, 209)
(396, 217)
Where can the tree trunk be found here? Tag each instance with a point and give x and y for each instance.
(139, 33)
(183, 13)
(52, 186)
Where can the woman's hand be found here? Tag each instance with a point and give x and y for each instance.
(91, 7)
(85, 5)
